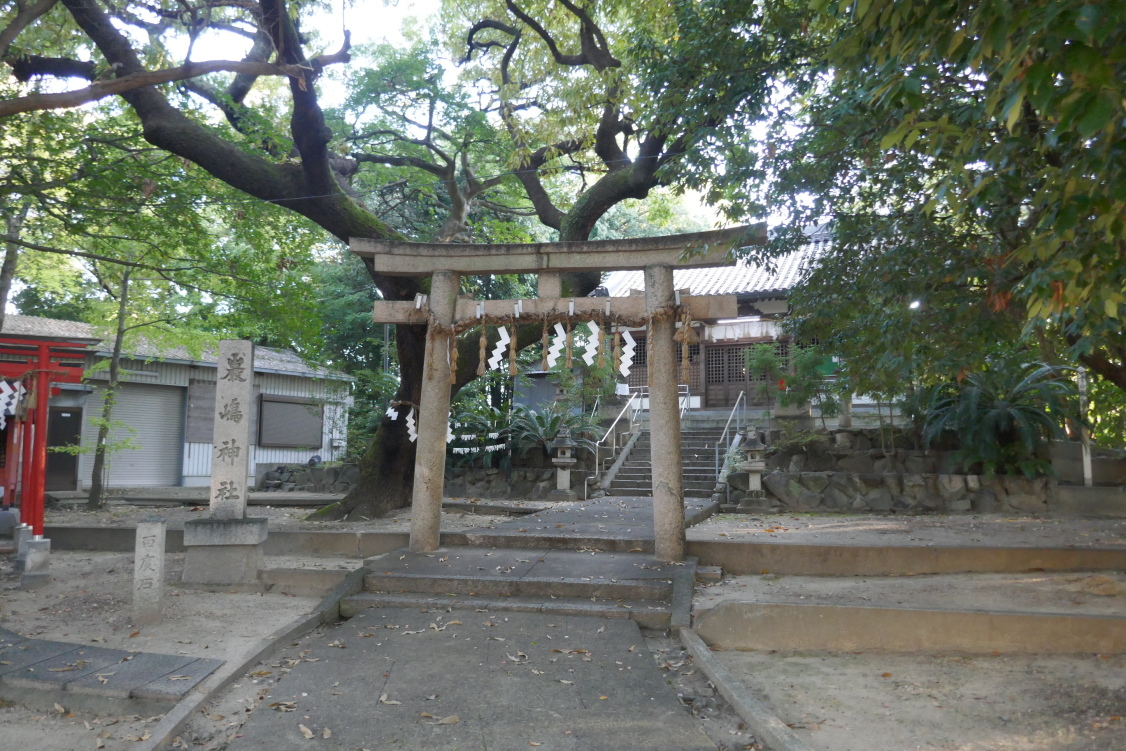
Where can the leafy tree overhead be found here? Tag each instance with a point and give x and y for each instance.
(280, 147)
(983, 143)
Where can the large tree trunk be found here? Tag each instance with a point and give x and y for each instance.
(13, 223)
(387, 469)
(94, 499)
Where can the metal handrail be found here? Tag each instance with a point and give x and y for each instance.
(685, 398)
(612, 435)
(723, 439)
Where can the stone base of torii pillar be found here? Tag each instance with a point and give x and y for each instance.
(445, 264)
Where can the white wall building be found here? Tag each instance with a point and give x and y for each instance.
(165, 410)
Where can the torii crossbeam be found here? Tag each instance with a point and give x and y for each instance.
(444, 313)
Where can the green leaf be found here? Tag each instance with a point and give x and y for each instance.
(1098, 114)
(1012, 110)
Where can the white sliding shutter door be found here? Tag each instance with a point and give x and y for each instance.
(156, 415)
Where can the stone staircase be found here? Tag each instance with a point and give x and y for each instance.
(498, 580)
(697, 447)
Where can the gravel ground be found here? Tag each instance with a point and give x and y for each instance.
(1096, 594)
(288, 518)
(90, 602)
(851, 529)
(874, 701)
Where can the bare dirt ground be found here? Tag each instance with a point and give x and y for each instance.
(288, 518)
(864, 702)
(90, 602)
(1097, 594)
(978, 530)
(874, 701)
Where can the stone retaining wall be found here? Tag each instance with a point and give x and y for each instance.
(859, 451)
(301, 479)
(532, 484)
(908, 493)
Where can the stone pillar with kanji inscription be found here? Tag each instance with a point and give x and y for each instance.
(148, 572)
(226, 548)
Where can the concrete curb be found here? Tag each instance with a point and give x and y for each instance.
(683, 587)
(764, 723)
(327, 611)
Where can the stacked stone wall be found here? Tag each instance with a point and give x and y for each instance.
(905, 493)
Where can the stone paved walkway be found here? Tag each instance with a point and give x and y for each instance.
(80, 669)
(461, 680)
(613, 522)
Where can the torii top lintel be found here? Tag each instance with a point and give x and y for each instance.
(696, 250)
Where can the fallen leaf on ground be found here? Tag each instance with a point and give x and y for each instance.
(305, 731)
(451, 720)
(327, 733)
(59, 708)
(384, 700)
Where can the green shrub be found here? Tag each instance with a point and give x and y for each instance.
(1000, 415)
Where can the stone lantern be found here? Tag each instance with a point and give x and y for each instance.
(755, 463)
(564, 449)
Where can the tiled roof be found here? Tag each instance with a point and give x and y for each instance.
(744, 279)
(47, 328)
(265, 358)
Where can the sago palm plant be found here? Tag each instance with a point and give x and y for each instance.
(1001, 415)
(530, 428)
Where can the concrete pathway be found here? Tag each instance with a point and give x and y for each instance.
(439, 679)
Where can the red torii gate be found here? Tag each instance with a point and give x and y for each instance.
(42, 361)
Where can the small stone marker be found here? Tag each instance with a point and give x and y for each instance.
(231, 459)
(148, 572)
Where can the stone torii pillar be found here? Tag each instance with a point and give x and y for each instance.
(444, 314)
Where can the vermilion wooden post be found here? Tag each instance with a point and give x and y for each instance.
(38, 475)
(25, 465)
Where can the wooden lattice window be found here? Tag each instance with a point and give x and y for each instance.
(716, 366)
(641, 352)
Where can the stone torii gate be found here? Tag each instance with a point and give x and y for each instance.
(445, 315)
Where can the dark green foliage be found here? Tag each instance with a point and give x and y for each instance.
(62, 305)
(1001, 414)
(530, 428)
(488, 425)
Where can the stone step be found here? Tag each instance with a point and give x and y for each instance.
(646, 613)
(640, 475)
(490, 585)
(709, 574)
(697, 490)
(631, 491)
(704, 461)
